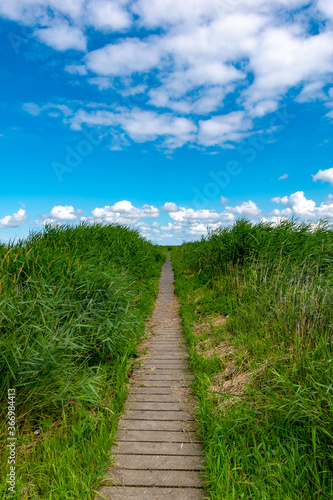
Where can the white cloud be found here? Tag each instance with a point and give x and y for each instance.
(169, 206)
(32, 108)
(329, 200)
(189, 217)
(59, 215)
(325, 210)
(157, 13)
(312, 91)
(298, 205)
(285, 57)
(140, 125)
(326, 8)
(182, 223)
(275, 220)
(324, 175)
(32, 12)
(50, 107)
(149, 125)
(232, 127)
(15, 220)
(102, 82)
(223, 200)
(129, 91)
(118, 142)
(108, 15)
(76, 69)
(297, 202)
(123, 212)
(282, 177)
(124, 58)
(195, 57)
(63, 37)
(245, 209)
(63, 213)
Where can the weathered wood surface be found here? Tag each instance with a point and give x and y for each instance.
(158, 455)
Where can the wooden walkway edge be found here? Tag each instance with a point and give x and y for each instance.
(158, 456)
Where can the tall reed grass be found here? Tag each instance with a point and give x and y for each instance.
(73, 305)
(274, 287)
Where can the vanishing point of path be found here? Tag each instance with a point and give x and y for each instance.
(158, 456)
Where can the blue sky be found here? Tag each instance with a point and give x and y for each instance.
(167, 116)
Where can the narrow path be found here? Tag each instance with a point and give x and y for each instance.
(157, 456)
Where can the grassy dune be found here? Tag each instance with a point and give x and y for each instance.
(257, 312)
(73, 305)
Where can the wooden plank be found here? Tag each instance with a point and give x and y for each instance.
(158, 436)
(149, 493)
(142, 448)
(154, 478)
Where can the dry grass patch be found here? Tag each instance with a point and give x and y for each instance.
(223, 351)
(235, 378)
(209, 323)
(234, 382)
(235, 385)
(207, 346)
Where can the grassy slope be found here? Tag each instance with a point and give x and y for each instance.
(273, 286)
(73, 306)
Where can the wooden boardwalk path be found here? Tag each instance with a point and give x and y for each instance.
(158, 456)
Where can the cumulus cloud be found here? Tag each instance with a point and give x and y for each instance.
(169, 206)
(286, 58)
(232, 127)
(123, 212)
(108, 15)
(15, 220)
(149, 125)
(63, 213)
(183, 223)
(191, 59)
(324, 175)
(63, 37)
(297, 202)
(124, 58)
(298, 205)
(245, 209)
(59, 215)
(189, 215)
(188, 223)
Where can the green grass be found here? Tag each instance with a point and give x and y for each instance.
(73, 306)
(273, 286)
